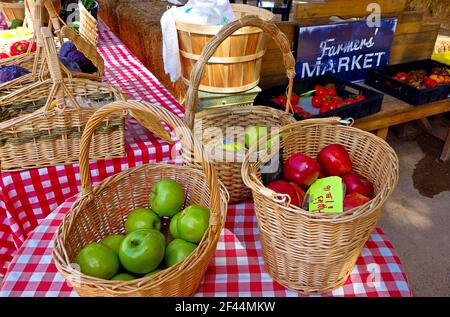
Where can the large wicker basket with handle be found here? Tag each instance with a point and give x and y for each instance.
(41, 124)
(103, 210)
(315, 252)
(236, 64)
(236, 117)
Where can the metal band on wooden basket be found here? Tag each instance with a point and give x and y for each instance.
(51, 134)
(102, 210)
(242, 116)
(315, 252)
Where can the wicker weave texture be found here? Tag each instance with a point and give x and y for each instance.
(315, 253)
(33, 136)
(102, 211)
(227, 117)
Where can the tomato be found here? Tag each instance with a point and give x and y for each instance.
(320, 91)
(275, 100)
(330, 90)
(282, 100)
(316, 102)
(338, 101)
(360, 98)
(295, 99)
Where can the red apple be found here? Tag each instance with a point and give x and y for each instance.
(283, 187)
(301, 169)
(357, 183)
(334, 160)
(300, 193)
(354, 200)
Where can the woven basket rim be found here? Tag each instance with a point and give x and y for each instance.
(141, 284)
(252, 181)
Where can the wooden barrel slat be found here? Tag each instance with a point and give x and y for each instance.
(236, 64)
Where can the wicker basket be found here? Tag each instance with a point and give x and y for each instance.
(12, 10)
(34, 62)
(236, 65)
(236, 116)
(88, 26)
(33, 132)
(315, 252)
(102, 211)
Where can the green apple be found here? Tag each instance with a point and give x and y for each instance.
(237, 147)
(193, 223)
(177, 251)
(113, 242)
(123, 277)
(142, 218)
(142, 251)
(166, 197)
(173, 226)
(253, 134)
(152, 272)
(98, 260)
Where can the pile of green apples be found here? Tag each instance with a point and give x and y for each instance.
(144, 250)
(252, 135)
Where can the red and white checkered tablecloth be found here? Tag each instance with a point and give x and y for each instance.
(236, 270)
(27, 197)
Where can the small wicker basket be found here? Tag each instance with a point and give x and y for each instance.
(229, 117)
(88, 26)
(315, 252)
(34, 62)
(102, 211)
(34, 132)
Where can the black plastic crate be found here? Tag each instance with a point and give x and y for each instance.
(344, 89)
(381, 79)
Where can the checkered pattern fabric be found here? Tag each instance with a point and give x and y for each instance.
(237, 268)
(27, 197)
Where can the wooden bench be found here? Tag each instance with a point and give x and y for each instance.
(395, 112)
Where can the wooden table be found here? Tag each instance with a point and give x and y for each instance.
(395, 111)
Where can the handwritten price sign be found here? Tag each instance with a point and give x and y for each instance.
(326, 195)
(345, 49)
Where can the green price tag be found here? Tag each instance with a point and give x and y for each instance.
(325, 195)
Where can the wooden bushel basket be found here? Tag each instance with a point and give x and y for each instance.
(236, 65)
(102, 211)
(309, 252)
(228, 117)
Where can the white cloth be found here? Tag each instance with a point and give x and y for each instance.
(213, 12)
(171, 53)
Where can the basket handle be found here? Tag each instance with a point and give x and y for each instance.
(149, 116)
(268, 27)
(54, 18)
(59, 89)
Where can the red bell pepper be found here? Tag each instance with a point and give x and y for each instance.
(21, 47)
(3, 55)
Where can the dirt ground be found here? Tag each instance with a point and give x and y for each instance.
(417, 216)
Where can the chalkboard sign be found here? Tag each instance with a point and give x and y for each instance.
(344, 49)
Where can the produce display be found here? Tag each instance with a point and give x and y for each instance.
(333, 163)
(75, 60)
(252, 135)
(18, 48)
(421, 79)
(324, 98)
(147, 246)
(9, 73)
